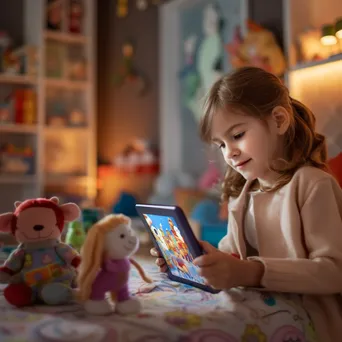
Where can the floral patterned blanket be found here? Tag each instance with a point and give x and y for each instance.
(171, 312)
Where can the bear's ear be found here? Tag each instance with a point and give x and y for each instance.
(5, 222)
(54, 199)
(17, 203)
(71, 211)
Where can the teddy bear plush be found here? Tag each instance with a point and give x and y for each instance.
(42, 269)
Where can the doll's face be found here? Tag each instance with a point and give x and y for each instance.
(121, 242)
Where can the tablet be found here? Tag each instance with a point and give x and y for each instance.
(174, 238)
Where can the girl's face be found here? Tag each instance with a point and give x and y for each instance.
(248, 144)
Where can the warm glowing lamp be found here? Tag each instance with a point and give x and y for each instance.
(328, 35)
(338, 28)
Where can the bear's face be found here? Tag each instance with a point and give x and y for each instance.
(37, 224)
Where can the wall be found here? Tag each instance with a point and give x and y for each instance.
(269, 14)
(123, 115)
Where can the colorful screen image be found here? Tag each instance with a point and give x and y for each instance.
(175, 251)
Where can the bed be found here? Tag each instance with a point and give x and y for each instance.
(171, 312)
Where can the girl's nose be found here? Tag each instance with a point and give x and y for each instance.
(232, 152)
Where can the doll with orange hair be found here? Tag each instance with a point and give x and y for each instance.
(105, 266)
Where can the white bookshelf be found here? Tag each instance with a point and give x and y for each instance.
(81, 180)
(17, 79)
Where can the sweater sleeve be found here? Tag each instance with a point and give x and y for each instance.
(321, 272)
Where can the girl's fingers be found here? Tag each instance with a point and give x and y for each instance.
(160, 262)
(155, 252)
(163, 269)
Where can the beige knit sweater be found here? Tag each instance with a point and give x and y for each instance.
(299, 233)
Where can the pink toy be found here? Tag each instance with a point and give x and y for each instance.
(209, 178)
(106, 264)
(42, 268)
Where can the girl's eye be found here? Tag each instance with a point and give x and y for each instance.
(238, 136)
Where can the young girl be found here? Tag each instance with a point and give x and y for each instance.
(285, 209)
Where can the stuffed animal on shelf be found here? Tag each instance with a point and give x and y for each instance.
(105, 267)
(41, 269)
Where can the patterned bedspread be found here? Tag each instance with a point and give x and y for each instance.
(171, 312)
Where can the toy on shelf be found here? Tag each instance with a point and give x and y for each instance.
(76, 63)
(77, 118)
(258, 48)
(128, 74)
(27, 56)
(122, 8)
(105, 267)
(54, 14)
(77, 69)
(42, 268)
(65, 109)
(16, 160)
(4, 45)
(9, 63)
(76, 16)
(56, 112)
(138, 157)
(5, 113)
(75, 236)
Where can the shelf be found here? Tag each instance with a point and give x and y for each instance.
(66, 179)
(312, 64)
(61, 129)
(17, 179)
(18, 128)
(17, 79)
(66, 84)
(67, 38)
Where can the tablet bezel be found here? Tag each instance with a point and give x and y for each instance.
(189, 237)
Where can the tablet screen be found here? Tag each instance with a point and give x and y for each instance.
(175, 251)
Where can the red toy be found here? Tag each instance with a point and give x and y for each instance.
(42, 268)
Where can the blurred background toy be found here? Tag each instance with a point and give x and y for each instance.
(76, 235)
(128, 73)
(258, 48)
(138, 156)
(54, 14)
(76, 13)
(207, 222)
(18, 160)
(90, 216)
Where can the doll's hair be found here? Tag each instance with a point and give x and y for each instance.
(92, 252)
(255, 92)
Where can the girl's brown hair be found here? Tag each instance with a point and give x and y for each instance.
(256, 92)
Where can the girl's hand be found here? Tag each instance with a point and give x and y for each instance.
(160, 261)
(224, 271)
